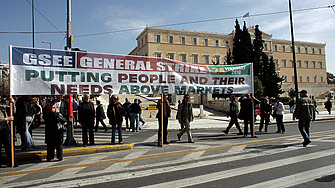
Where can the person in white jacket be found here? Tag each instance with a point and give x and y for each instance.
(278, 109)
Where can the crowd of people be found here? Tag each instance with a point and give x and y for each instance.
(29, 111)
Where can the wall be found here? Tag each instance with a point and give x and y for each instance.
(317, 90)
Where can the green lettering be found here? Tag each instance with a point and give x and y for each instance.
(134, 89)
(155, 91)
(230, 90)
(208, 90)
(180, 90)
(223, 89)
(200, 90)
(104, 79)
(90, 77)
(73, 76)
(165, 89)
(145, 89)
(216, 90)
(191, 90)
(123, 90)
(31, 74)
(61, 75)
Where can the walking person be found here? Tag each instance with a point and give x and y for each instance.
(141, 120)
(182, 126)
(305, 112)
(75, 110)
(29, 110)
(53, 138)
(135, 110)
(114, 114)
(86, 115)
(266, 110)
(291, 104)
(246, 113)
(126, 114)
(5, 133)
(315, 106)
(278, 109)
(328, 106)
(185, 116)
(100, 116)
(233, 113)
(165, 120)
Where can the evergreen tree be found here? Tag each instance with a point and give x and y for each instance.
(237, 51)
(258, 49)
(246, 46)
(228, 58)
(270, 79)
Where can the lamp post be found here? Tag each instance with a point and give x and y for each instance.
(47, 43)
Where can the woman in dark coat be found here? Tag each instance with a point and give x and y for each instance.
(114, 113)
(53, 137)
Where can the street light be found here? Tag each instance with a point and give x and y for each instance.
(47, 42)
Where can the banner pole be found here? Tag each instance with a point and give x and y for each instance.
(11, 133)
(253, 116)
(162, 108)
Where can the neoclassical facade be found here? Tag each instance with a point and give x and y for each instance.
(205, 48)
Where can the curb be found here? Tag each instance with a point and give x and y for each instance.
(40, 155)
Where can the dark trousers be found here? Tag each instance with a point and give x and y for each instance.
(128, 121)
(266, 119)
(5, 141)
(234, 120)
(280, 124)
(102, 123)
(246, 122)
(51, 151)
(165, 125)
(90, 127)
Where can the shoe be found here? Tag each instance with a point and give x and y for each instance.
(85, 145)
(255, 137)
(283, 132)
(106, 130)
(225, 131)
(266, 131)
(278, 132)
(159, 144)
(112, 143)
(245, 136)
(48, 160)
(138, 131)
(179, 138)
(240, 133)
(305, 143)
(191, 141)
(120, 142)
(60, 159)
(140, 128)
(260, 131)
(166, 142)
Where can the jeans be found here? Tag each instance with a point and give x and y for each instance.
(133, 118)
(304, 125)
(119, 129)
(291, 109)
(28, 141)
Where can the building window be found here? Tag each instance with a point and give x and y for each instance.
(292, 64)
(291, 49)
(227, 43)
(307, 78)
(314, 64)
(206, 59)
(313, 50)
(320, 51)
(284, 48)
(195, 41)
(217, 59)
(171, 39)
(284, 62)
(138, 44)
(299, 51)
(315, 77)
(276, 47)
(195, 59)
(142, 43)
(285, 78)
(321, 78)
(306, 50)
(217, 42)
(265, 46)
(158, 54)
(171, 56)
(299, 63)
(205, 42)
(183, 58)
(300, 78)
(158, 38)
(293, 79)
(277, 63)
(307, 64)
(320, 63)
(146, 40)
(183, 40)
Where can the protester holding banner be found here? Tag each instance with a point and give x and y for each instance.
(266, 110)
(30, 112)
(233, 113)
(100, 116)
(61, 106)
(86, 115)
(53, 138)
(5, 132)
(114, 114)
(246, 113)
(185, 116)
(166, 115)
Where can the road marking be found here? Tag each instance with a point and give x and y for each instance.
(297, 179)
(155, 156)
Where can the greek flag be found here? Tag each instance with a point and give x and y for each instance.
(246, 15)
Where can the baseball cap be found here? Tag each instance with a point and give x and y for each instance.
(303, 91)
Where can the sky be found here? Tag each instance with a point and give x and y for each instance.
(99, 25)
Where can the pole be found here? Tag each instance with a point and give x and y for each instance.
(293, 51)
(11, 133)
(33, 22)
(162, 108)
(69, 37)
(252, 123)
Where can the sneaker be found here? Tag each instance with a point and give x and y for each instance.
(191, 141)
(179, 138)
(166, 142)
(305, 143)
(225, 131)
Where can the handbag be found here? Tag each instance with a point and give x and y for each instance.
(61, 123)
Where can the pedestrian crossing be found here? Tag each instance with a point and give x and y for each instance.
(261, 163)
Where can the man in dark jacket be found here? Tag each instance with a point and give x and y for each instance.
(305, 112)
(126, 113)
(166, 115)
(246, 113)
(233, 113)
(86, 115)
(135, 110)
(266, 110)
(100, 116)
